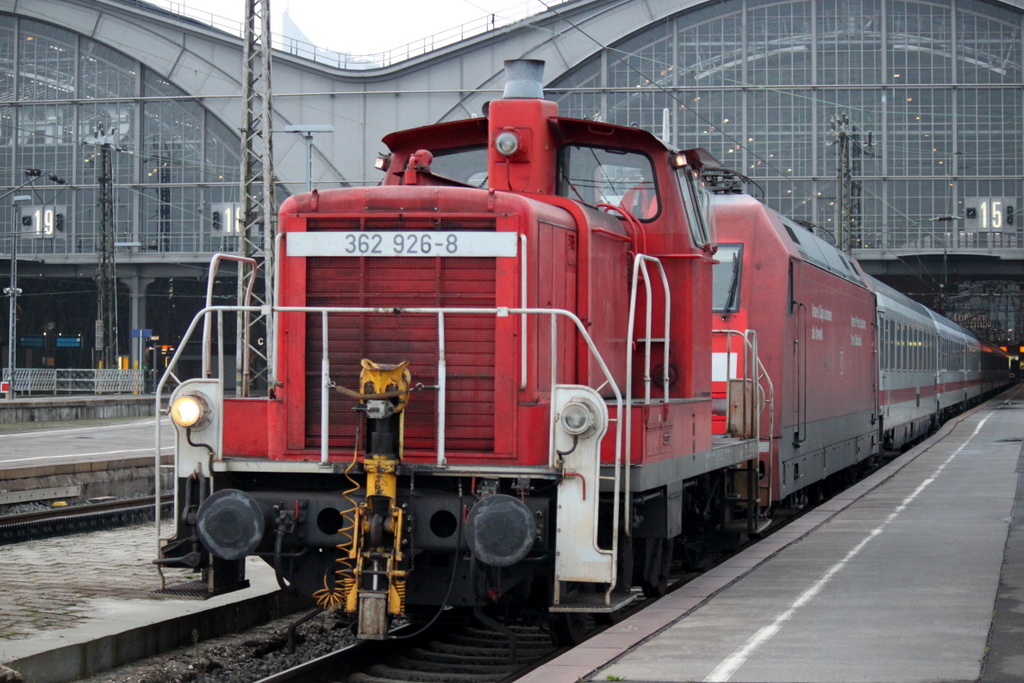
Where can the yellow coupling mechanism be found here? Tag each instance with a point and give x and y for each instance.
(379, 381)
(375, 590)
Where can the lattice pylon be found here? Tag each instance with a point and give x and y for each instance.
(258, 208)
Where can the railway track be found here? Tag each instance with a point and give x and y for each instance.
(78, 519)
(464, 652)
(456, 651)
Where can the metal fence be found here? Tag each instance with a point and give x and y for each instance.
(46, 381)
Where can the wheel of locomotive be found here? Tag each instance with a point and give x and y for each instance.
(568, 628)
(692, 552)
(657, 566)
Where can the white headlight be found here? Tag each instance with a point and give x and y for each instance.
(189, 410)
(507, 143)
(577, 418)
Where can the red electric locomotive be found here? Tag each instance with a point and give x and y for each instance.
(814, 320)
(851, 365)
(492, 381)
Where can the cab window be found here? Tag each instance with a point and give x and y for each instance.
(726, 277)
(599, 175)
(699, 213)
(468, 165)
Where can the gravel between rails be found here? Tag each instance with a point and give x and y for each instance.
(239, 658)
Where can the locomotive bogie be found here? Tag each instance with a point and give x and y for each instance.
(312, 525)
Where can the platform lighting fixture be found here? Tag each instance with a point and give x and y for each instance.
(307, 130)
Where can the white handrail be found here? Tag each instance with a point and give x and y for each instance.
(325, 396)
(442, 399)
(523, 273)
(214, 265)
(640, 264)
(554, 315)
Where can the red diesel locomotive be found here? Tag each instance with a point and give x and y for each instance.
(492, 378)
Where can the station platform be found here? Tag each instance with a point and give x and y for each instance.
(912, 575)
(78, 605)
(25, 409)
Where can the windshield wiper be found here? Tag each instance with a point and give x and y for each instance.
(733, 285)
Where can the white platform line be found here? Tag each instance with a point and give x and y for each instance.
(724, 671)
(75, 430)
(138, 451)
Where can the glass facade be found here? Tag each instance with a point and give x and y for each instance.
(174, 165)
(938, 85)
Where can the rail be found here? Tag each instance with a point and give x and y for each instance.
(47, 381)
(30, 526)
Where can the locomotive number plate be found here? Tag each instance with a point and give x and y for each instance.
(402, 243)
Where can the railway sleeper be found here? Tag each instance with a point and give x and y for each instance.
(389, 673)
(491, 657)
(528, 649)
(525, 634)
(428, 665)
(482, 641)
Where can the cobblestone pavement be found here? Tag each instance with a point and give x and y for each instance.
(47, 584)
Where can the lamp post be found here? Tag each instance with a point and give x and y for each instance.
(12, 293)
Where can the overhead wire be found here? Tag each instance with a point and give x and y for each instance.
(809, 194)
(624, 56)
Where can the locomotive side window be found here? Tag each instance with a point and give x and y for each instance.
(726, 276)
(697, 198)
(598, 175)
(468, 165)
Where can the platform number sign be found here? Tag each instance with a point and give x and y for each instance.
(42, 222)
(224, 218)
(992, 214)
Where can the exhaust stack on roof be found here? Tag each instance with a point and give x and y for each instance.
(523, 79)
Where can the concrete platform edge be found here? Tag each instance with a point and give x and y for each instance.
(79, 660)
(594, 664)
(27, 409)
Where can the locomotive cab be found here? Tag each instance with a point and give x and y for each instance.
(492, 383)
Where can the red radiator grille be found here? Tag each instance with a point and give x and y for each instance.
(421, 282)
